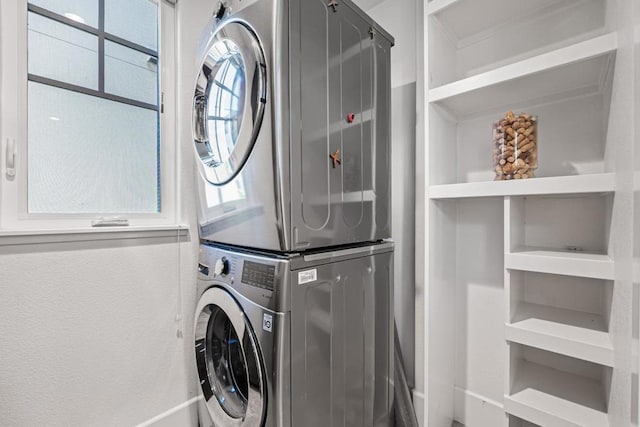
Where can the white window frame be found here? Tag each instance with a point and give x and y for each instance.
(14, 213)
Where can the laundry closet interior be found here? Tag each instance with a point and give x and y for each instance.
(253, 213)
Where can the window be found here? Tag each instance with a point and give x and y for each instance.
(92, 132)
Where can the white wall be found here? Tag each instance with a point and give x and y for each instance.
(98, 333)
(89, 333)
(398, 17)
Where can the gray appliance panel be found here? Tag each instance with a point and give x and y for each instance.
(341, 344)
(329, 358)
(252, 209)
(279, 297)
(338, 69)
(321, 66)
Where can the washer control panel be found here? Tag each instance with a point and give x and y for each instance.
(259, 275)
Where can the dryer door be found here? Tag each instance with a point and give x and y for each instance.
(229, 365)
(229, 101)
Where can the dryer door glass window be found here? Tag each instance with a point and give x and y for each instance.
(227, 356)
(227, 365)
(229, 101)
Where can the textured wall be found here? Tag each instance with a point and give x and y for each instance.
(90, 329)
(89, 333)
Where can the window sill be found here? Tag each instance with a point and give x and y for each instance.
(31, 237)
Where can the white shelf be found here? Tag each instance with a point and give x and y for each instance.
(579, 68)
(576, 184)
(436, 6)
(466, 18)
(572, 333)
(554, 398)
(568, 263)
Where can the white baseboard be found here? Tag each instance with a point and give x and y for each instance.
(474, 410)
(418, 404)
(182, 415)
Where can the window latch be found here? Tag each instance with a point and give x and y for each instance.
(11, 157)
(110, 221)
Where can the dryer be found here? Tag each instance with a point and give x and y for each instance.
(280, 343)
(291, 129)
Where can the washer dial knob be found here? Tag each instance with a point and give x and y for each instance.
(222, 267)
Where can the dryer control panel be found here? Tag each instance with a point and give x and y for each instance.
(257, 274)
(258, 278)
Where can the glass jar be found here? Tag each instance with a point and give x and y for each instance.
(515, 146)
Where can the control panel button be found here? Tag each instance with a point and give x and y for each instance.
(222, 267)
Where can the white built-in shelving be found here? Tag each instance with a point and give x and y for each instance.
(569, 70)
(576, 184)
(556, 398)
(580, 264)
(572, 333)
(522, 277)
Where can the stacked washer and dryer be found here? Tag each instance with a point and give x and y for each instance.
(291, 125)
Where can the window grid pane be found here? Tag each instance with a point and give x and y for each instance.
(94, 125)
(62, 53)
(82, 11)
(90, 155)
(123, 53)
(134, 20)
(130, 73)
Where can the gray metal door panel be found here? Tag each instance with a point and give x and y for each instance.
(382, 134)
(314, 142)
(333, 73)
(383, 345)
(355, 82)
(341, 344)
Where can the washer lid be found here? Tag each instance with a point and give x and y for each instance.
(229, 101)
(229, 365)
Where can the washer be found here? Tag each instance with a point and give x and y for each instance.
(291, 115)
(279, 344)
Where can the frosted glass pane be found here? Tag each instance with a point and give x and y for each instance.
(90, 155)
(83, 11)
(133, 20)
(130, 73)
(60, 52)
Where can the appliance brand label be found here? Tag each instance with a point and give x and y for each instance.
(307, 276)
(267, 322)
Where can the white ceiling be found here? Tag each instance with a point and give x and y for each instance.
(367, 5)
